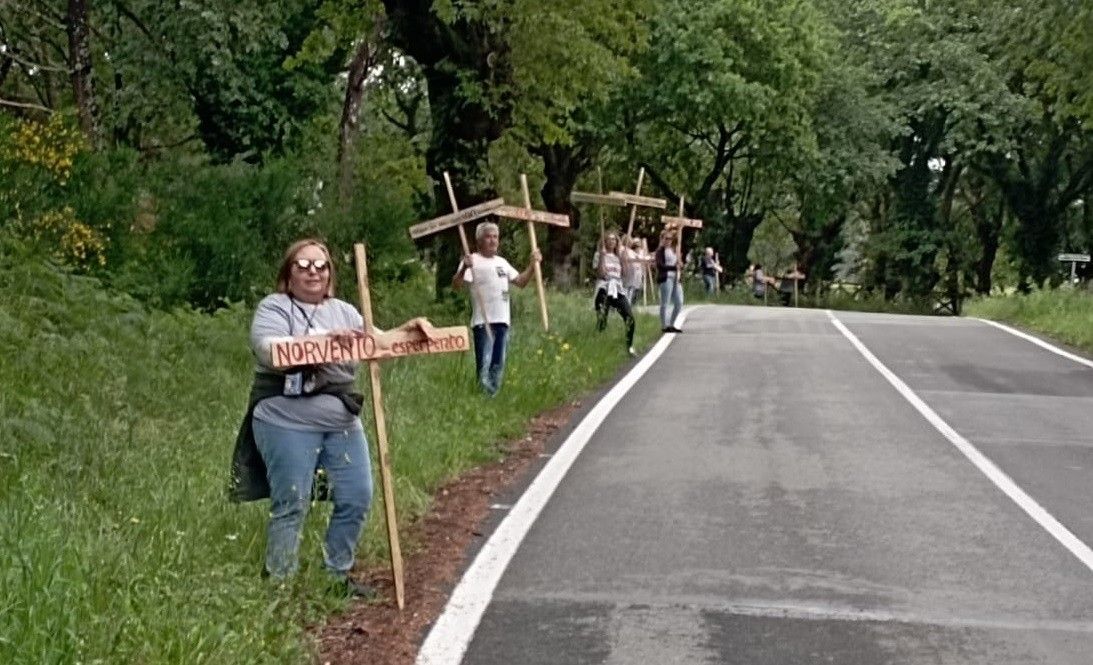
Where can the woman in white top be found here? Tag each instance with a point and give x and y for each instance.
(610, 263)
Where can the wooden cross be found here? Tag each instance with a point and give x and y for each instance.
(636, 199)
(372, 346)
(622, 199)
(717, 274)
(531, 217)
(458, 218)
(680, 223)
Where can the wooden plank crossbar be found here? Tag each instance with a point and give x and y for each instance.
(323, 349)
(596, 199)
(676, 222)
(457, 218)
(642, 201)
(528, 215)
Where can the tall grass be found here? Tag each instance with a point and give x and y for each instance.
(1065, 314)
(116, 540)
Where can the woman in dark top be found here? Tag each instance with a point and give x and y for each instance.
(669, 269)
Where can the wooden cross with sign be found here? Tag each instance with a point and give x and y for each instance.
(458, 218)
(679, 223)
(532, 217)
(414, 338)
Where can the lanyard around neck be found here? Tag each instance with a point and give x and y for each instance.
(307, 319)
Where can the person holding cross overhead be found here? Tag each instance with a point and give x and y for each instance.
(491, 275)
(611, 263)
(669, 271)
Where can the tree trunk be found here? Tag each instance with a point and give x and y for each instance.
(816, 248)
(80, 66)
(562, 166)
(450, 55)
(349, 127)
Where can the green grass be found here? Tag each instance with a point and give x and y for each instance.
(116, 541)
(1065, 314)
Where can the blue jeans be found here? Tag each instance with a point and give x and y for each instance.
(670, 289)
(291, 458)
(711, 283)
(489, 356)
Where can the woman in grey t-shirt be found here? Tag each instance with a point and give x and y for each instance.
(306, 419)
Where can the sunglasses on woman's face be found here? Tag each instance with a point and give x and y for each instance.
(320, 265)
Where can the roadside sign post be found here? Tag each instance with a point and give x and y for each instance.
(1074, 260)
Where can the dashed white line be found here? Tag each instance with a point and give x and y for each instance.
(1041, 516)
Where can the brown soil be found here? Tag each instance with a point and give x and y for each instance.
(378, 633)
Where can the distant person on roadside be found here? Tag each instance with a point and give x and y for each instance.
(302, 419)
(759, 282)
(669, 271)
(610, 263)
(710, 270)
(788, 285)
(634, 279)
(489, 276)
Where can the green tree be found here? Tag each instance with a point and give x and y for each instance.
(724, 108)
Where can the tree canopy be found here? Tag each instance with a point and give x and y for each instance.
(908, 146)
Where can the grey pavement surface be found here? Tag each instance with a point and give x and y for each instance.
(763, 496)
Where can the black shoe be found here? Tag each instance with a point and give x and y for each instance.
(666, 330)
(353, 589)
(674, 329)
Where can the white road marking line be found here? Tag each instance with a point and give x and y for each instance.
(1039, 342)
(451, 634)
(987, 467)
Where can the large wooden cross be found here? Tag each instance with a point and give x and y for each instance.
(458, 218)
(415, 338)
(636, 199)
(532, 217)
(622, 199)
(680, 222)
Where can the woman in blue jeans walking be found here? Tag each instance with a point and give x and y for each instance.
(669, 270)
(304, 419)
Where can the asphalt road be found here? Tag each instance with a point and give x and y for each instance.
(764, 496)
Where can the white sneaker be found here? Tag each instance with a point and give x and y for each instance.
(632, 352)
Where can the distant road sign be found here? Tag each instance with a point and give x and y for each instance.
(1076, 258)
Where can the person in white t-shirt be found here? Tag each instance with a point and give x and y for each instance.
(634, 279)
(610, 264)
(489, 276)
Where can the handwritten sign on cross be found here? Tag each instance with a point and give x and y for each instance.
(458, 218)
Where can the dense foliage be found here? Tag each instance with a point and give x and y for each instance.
(912, 147)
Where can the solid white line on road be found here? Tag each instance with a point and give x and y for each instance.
(1040, 343)
(452, 632)
(989, 469)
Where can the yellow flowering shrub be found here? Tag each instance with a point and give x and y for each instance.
(75, 243)
(52, 145)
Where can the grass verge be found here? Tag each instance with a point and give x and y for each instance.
(116, 541)
(1065, 314)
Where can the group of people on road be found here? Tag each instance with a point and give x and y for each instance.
(303, 419)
